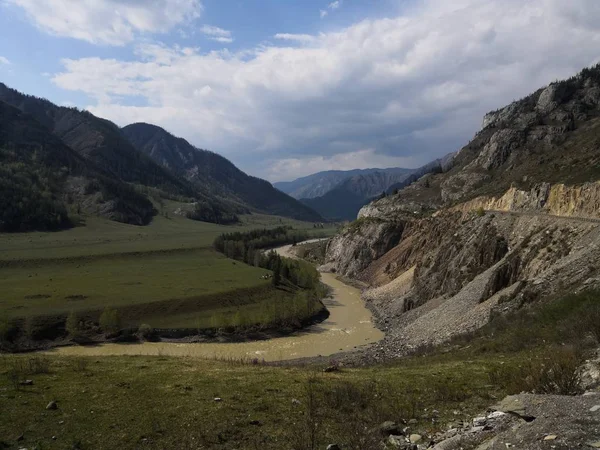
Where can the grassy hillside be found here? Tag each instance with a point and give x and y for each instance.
(169, 403)
(165, 275)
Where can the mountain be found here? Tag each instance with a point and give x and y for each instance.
(319, 184)
(344, 200)
(439, 165)
(43, 182)
(216, 190)
(512, 220)
(213, 174)
(99, 141)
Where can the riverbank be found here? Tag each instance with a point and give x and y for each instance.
(349, 327)
(344, 326)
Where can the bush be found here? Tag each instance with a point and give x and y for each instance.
(558, 372)
(110, 321)
(6, 331)
(146, 332)
(72, 324)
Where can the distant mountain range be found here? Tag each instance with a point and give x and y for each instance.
(63, 162)
(372, 182)
(339, 195)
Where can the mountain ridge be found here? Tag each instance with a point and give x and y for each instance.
(318, 184)
(213, 173)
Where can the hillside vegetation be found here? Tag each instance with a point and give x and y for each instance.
(45, 185)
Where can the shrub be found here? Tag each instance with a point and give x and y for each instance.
(6, 331)
(110, 321)
(480, 211)
(146, 332)
(558, 372)
(72, 324)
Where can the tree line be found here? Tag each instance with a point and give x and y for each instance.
(249, 247)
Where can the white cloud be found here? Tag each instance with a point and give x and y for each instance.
(335, 5)
(331, 7)
(4, 61)
(414, 86)
(217, 34)
(112, 22)
(302, 38)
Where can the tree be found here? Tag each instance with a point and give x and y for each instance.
(276, 280)
(110, 321)
(72, 324)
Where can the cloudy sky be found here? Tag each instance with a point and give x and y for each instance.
(285, 88)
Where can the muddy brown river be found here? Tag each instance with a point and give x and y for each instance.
(348, 327)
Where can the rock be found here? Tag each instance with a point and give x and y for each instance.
(390, 428)
(255, 422)
(478, 421)
(595, 408)
(295, 401)
(331, 369)
(550, 437)
(218, 399)
(477, 429)
(20, 438)
(594, 444)
(396, 441)
(52, 406)
(413, 421)
(333, 447)
(26, 383)
(495, 415)
(414, 438)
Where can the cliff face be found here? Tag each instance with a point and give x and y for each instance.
(515, 219)
(560, 200)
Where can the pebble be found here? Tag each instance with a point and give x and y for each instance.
(218, 399)
(595, 408)
(414, 438)
(52, 405)
(333, 447)
(550, 437)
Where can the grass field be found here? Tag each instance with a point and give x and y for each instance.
(100, 236)
(165, 274)
(168, 403)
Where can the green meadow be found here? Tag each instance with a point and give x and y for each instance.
(165, 274)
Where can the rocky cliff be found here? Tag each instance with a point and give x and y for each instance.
(515, 219)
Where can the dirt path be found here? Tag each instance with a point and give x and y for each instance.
(348, 327)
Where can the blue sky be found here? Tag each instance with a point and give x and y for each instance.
(285, 88)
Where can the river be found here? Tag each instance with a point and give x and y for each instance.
(348, 327)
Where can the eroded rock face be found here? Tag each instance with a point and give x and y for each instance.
(351, 251)
(559, 200)
(436, 277)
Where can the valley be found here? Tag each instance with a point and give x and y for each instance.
(155, 296)
(166, 275)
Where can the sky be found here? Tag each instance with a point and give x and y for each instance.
(286, 88)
